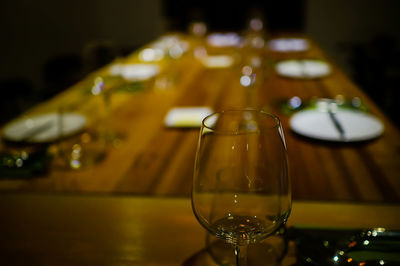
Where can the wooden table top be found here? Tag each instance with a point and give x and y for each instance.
(49, 229)
(152, 159)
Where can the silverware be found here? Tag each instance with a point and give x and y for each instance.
(337, 124)
(303, 68)
(330, 106)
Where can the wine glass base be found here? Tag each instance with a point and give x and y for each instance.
(269, 251)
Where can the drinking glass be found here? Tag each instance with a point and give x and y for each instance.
(241, 190)
(89, 145)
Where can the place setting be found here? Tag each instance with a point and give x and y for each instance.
(67, 136)
(166, 47)
(217, 61)
(134, 76)
(303, 68)
(228, 39)
(332, 120)
(219, 50)
(44, 128)
(26, 141)
(288, 45)
(135, 72)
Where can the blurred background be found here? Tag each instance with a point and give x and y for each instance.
(48, 46)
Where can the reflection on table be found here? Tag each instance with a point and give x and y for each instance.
(107, 230)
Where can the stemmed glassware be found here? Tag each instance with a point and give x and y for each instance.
(241, 190)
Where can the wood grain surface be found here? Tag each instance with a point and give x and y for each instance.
(57, 229)
(151, 159)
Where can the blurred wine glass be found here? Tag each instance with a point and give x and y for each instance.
(241, 190)
(88, 146)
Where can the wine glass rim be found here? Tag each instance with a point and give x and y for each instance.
(276, 118)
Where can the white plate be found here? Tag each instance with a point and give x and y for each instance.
(186, 116)
(135, 72)
(307, 69)
(288, 45)
(317, 124)
(217, 61)
(44, 128)
(223, 39)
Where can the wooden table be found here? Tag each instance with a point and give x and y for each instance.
(50, 229)
(155, 160)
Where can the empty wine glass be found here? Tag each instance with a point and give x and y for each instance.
(241, 190)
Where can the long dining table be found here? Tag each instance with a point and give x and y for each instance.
(128, 207)
(153, 159)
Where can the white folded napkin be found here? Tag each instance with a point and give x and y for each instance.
(135, 72)
(186, 116)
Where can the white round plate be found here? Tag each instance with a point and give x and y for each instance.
(44, 128)
(217, 61)
(223, 39)
(306, 69)
(135, 72)
(317, 124)
(288, 45)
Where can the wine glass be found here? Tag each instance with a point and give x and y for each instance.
(241, 190)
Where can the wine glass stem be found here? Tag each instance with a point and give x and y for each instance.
(241, 255)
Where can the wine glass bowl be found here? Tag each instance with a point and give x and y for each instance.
(241, 190)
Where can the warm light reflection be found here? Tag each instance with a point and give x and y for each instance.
(150, 55)
(257, 42)
(256, 24)
(86, 138)
(198, 28)
(356, 102)
(245, 81)
(200, 52)
(171, 46)
(255, 61)
(19, 162)
(340, 99)
(295, 102)
(352, 244)
(247, 70)
(98, 86)
(175, 51)
(248, 77)
(75, 156)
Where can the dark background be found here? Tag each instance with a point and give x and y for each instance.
(47, 45)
